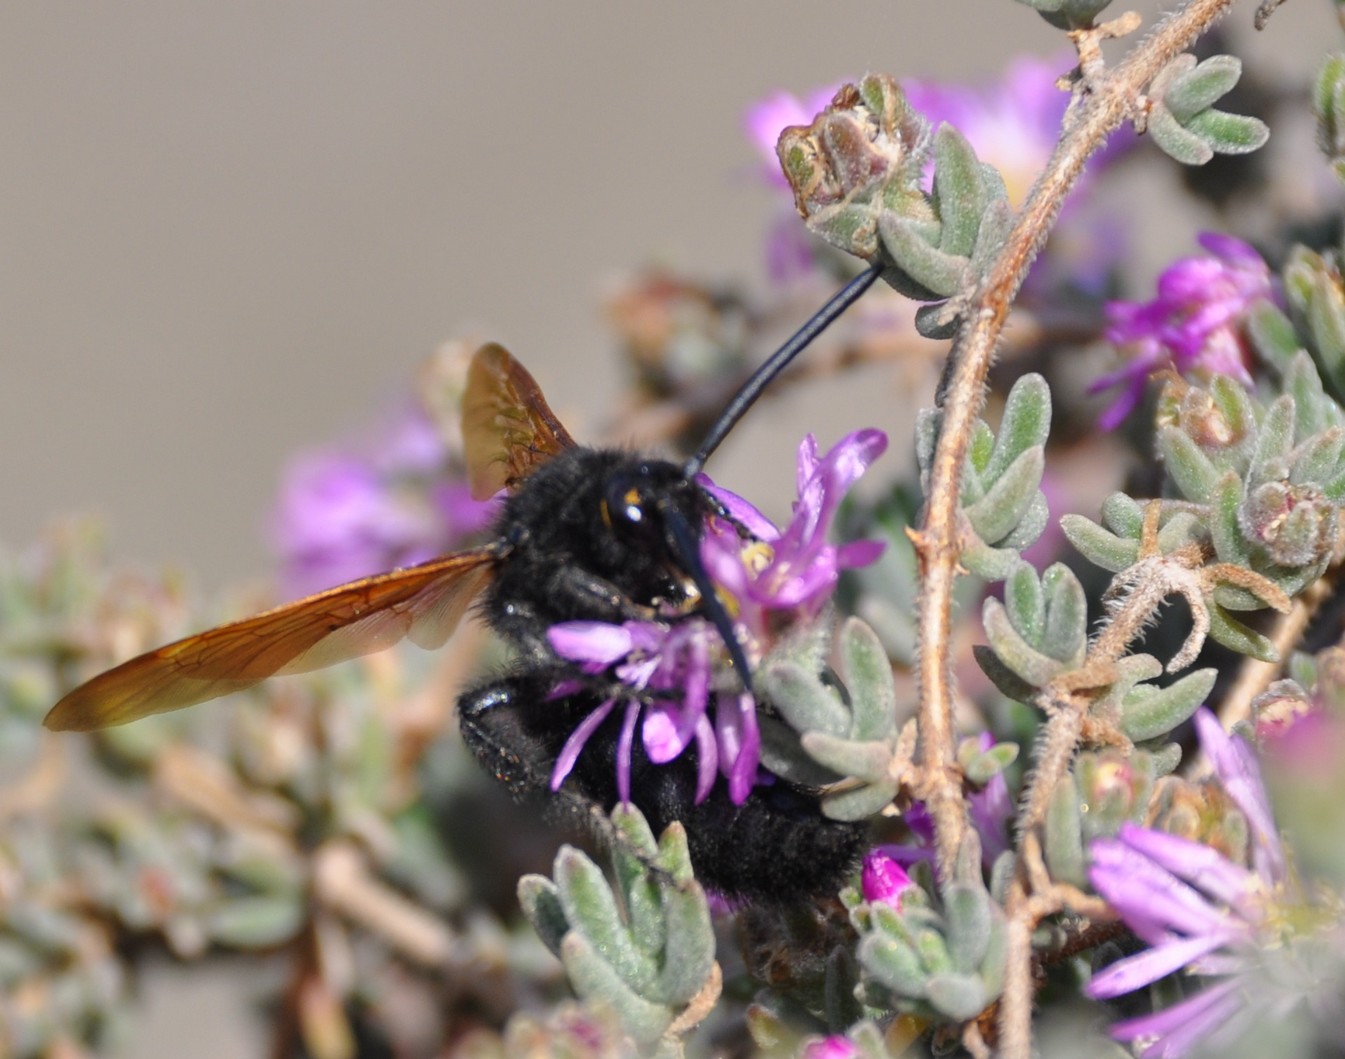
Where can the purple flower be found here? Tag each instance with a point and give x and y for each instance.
(681, 692)
(831, 1048)
(883, 879)
(1201, 913)
(393, 501)
(1012, 123)
(1194, 324)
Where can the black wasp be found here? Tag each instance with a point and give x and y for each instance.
(584, 534)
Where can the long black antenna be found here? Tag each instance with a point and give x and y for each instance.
(761, 378)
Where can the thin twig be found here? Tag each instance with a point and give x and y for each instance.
(1112, 99)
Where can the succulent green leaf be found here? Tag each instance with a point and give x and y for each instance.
(1318, 460)
(967, 909)
(1026, 423)
(1202, 87)
(1123, 515)
(859, 803)
(930, 267)
(594, 978)
(982, 767)
(590, 907)
(1179, 531)
(540, 900)
(1026, 603)
(1273, 335)
(1065, 635)
(893, 963)
(999, 512)
(989, 563)
(1014, 651)
(867, 675)
(959, 191)
(1030, 526)
(803, 700)
(1148, 712)
(1275, 442)
(1224, 527)
(1189, 468)
(847, 757)
(1229, 133)
(688, 946)
(1006, 680)
(1064, 834)
(1233, 634)
(256, 920)
(959, 996)
(1098, 546)
(1174, 140)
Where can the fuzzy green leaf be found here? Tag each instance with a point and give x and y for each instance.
(540, 900)
(999, 512)
(1097, 545)
(1123, 515)
(1148, 712)
(1273, 334)
(1026, 603)
(688, 946)
(1026, 423)
(1014, 651)
(1202, 87)
(594, 978)
(590, 907)
(1229, 133)
(867, 675)
(1065, 635)
(1234, 635)
(959, 996)
(859, 803)
(967, 909)
(1189, 468)
(848, 757)
(894, 964)
(959, 190)
(802, 699)
(1005, 679)
(1064, 834)
(1175, 141)
(930, 267)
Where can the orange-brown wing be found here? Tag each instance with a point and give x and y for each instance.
(421, 603)
(507, 427)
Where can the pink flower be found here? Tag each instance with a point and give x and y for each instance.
(671, 669)
(1193, 324)
(394, 500)
(1201, 913)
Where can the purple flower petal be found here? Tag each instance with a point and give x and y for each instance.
(1182, 1026)
(595, 644)
(569, 753)
(623, 750)
(1135, 972)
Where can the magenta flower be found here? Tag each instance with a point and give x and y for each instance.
(883, 879)
(393, 501)
(681, 691)
(831, 1048)
(1203, 914)
(1194, 324)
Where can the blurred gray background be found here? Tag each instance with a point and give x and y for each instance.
(230, 231)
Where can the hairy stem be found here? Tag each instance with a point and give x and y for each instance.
(1112, 99)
